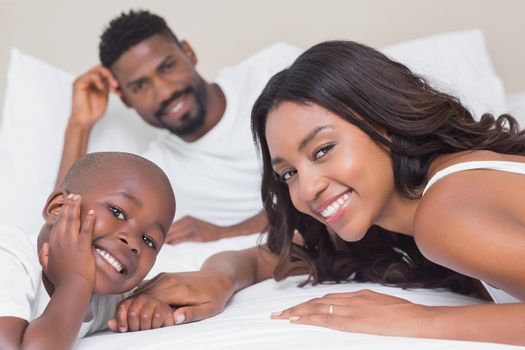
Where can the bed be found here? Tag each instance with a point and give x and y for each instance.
(36, 108)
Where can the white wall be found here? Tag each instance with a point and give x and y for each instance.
(65, 32)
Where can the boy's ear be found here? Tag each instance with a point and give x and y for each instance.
(188, 51)
(54, 203)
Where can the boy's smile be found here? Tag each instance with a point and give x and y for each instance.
(133, 209)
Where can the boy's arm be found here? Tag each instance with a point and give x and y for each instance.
(59, 324)
(68, 262)
(90, 100)
(11, 331)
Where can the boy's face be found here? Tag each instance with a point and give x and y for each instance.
(132, 216)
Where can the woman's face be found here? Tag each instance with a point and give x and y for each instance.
(334, 171)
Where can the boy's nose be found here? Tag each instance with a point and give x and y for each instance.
(126, 241)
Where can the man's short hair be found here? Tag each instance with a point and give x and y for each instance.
(129, 29)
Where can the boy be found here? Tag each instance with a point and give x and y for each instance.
(104, 226)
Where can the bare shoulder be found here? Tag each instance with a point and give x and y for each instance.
(11, 331)
(474, 222)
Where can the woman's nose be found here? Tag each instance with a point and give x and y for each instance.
(311, 185)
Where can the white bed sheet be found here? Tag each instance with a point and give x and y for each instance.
(246, 324)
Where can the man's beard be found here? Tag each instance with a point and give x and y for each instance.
(190, 124)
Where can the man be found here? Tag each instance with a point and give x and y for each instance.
(208, 152)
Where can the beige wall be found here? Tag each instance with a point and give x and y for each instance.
(65, 32)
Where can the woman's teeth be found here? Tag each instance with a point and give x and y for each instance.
(335, 205)
(110, 259)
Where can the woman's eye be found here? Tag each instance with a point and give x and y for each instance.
(321, 152)
(287, 175)
(148, 241)
(117, 213)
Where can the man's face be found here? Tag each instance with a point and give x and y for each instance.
(157, 78)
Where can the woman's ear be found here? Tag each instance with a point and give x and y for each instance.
(54, 203)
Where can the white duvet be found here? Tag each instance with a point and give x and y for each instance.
(246, 324)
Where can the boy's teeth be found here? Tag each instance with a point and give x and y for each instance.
(335, 205)
(110, 259)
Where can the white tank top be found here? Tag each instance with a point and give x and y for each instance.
(499, 296)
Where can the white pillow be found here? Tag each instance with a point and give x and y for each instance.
(457, 63)
(36, 110)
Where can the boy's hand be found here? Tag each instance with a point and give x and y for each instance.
(198, 295)
(68, 256)
(141, 312)
(91, 95)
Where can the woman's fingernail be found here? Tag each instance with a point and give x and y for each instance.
(122, 329)
(276, 314)
(293, 318)
(179, 318)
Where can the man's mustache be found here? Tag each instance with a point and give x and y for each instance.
(164, 104)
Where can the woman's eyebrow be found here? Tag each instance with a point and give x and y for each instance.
(311, 135)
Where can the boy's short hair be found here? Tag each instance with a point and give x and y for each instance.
(129, 29)
(88, 168)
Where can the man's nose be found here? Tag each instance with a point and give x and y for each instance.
(163, 90)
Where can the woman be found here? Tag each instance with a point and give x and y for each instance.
(356, 147)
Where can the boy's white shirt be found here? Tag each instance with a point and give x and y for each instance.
(22, 292)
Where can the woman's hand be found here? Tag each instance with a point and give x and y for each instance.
(68, 256)
(195, 295)
(361, 312)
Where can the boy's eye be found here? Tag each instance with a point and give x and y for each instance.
(321, 152)
(117, 213)
(149, 242)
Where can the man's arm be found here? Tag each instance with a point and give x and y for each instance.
(90, 100)
(190, 229)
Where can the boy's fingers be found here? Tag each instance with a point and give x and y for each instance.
(43, 256)
(134, 314)
(72, 215)
(168, 320)
(86, 231)
(122, 316)
(146, 315)
(112, 325)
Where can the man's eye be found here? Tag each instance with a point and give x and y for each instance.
(137, 87)
(148, 241)
(117, 213)
(321, 152)
(167, 66)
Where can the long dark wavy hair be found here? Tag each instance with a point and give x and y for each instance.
(369, 90)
